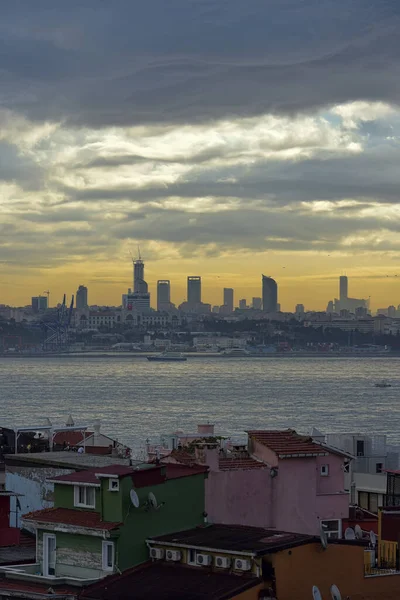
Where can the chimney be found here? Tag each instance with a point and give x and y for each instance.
(96, 429)
(208, 455)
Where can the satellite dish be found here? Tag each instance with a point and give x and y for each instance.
(152, 500)
(349, 534)
(335, 594)
(134, 498)
(358, 531)
(323, 537)
(372, 538)
(316, 594)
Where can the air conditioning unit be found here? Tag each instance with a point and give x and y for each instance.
(157, 553)
(203, 559)
(222, 562)
(174, 555)
(242, 564)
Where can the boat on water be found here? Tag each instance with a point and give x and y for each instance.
(167, 356)
(383, 384)
(233, 352)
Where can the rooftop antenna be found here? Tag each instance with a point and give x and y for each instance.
(335, 593)
(316, 594)
(134, 498)
(358, 532)
(140, 257)
(349, 534)
(323, 537)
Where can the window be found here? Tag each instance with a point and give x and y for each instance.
(113, 485)
(379, 467)
(333, 529)
(346, 467)
(360, 447)
(84, 496)
(368, 501)
(108, 556)
(324, 470)
(192, 557)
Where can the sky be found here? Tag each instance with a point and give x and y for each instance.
(227, 138)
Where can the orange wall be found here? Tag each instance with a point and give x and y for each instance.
(341, 564)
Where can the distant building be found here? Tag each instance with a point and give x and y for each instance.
(343, 288)
(330, 308)
(269, 294)
(392, 312)
(163, 294)
(346, 303)
(299, 310)
(243, 304)
(39, 303)
(361, 312)
(193, 290)
(228, 299)
(140, 299)
(256, 303)
(82, 297)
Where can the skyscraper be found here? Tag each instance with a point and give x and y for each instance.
(257, 303)
(269, 294)
(163, 294)
(39, 303)
(243, 304)
(228, 299)
(193, 290)
(343, 288)
(82, 297)
(139, 283)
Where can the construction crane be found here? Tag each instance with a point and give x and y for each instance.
(56, 330)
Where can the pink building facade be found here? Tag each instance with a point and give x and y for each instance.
(288, 482)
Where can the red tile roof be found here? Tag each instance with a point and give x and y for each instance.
(25, 587)
(183, 456)
(237, 464)
(90, 475)
(288, 443)
(73, 438)
(165, 581)
(69, 516)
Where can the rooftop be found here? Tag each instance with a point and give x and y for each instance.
(288, 443)
(240, 463)
(24, 589)
(69, 516)
(165, 581)
(24, 552)
(93, 475)
(236, 538)
(65, 459)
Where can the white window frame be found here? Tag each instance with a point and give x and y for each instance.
(324, 470)
(193, 562)
(330, 533)
(84, 504)
(111, 484)
(104, 553)
(46, 564)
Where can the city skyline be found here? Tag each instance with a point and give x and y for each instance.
(278, 154)
(163, 289)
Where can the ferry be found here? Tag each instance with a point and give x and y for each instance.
(235, 352)
(167, 356)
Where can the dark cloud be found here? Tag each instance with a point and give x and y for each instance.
(124, 62)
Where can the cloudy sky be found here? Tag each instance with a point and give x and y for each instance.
(227, 138)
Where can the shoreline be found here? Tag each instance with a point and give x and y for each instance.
(203, 355)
